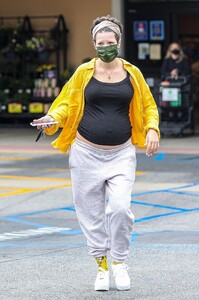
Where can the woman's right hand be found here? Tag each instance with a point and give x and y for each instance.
(44, 120)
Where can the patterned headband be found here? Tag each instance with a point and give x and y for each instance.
(108, 24)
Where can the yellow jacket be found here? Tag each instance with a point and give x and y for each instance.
(68, 107)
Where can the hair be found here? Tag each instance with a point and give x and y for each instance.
(107, 29)
(181, 55)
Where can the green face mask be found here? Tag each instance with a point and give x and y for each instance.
(107, 53)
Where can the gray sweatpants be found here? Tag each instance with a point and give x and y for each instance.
(102, 182)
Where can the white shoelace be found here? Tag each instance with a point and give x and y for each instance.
(120, 269)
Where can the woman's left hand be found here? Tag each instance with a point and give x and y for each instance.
(174, 73)
(152, 142)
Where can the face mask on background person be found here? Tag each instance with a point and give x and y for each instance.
(107, 53)
(175, 51)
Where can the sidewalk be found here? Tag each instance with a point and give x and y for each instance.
(24, 138)
(186, 144)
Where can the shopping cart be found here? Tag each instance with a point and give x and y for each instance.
(176, 106)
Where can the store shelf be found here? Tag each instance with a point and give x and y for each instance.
(32, 62)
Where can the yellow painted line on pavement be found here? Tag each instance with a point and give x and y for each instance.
(33, 151)
(34, 178)
(11, 191)
(140, 172)
(59, 169)
(14, 158)
(31, 168)
(17, 191)
(44, 178)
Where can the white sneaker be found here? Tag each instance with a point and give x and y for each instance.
(102, 280)
(122, 279)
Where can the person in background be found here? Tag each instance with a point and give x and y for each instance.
(105, 110)
(175, 63)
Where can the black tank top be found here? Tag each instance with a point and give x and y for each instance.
(106, 115)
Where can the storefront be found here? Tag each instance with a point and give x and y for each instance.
(150, 26)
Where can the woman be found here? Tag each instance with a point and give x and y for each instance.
(175, 63)
(105, 109)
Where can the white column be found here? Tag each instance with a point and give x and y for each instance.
(117, 12)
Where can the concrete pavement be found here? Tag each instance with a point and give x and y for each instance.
(43, 254)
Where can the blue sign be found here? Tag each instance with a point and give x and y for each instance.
(156, 30)
(140, 30)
